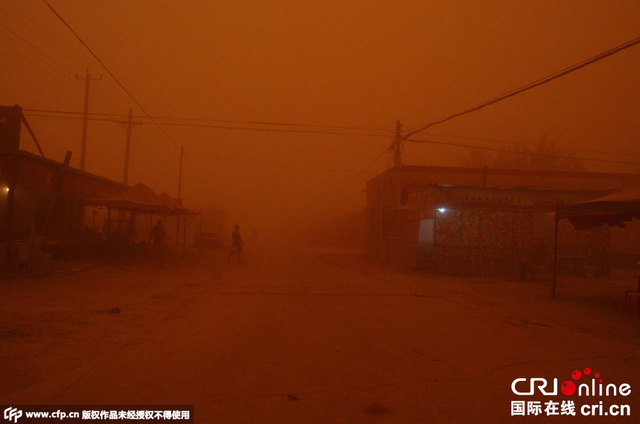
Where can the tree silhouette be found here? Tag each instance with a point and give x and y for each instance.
(545, 156)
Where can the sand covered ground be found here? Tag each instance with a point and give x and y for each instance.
(296, 335)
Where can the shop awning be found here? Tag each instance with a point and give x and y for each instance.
(140, 198)
(614, 209)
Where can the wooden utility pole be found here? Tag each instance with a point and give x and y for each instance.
(184, 237)
(129, 126)
(180, 200)
(555, 255)
(180, 174)
(127, 148)
(85, 117)
(397, 145)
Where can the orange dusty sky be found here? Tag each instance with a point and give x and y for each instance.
(336, 63)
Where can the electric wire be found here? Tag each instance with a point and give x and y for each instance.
(111, 118)
(499, 150)
(37, 29)
(196, 120)
(104, 66)
(504, 142)
(37, 50)
(211, 126)
(32, 66)
(538, 82)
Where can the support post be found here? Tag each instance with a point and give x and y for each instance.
(184, 236)
(9, 221)
(33, 135)
(179, 196)
(555, 255)
(108, 223)
(127, 148)
(178, 230)
(150, 241)
(180, 174)
(129, 123)
(85, 117)
(397, 145)
(378, 219)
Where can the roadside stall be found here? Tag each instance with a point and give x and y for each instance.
(613, 210)
(130, 214)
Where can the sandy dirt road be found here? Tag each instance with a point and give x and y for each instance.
(311, 335)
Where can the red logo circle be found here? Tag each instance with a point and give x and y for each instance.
(568, 388)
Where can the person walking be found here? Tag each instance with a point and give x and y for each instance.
(158, 236)
(236, 243)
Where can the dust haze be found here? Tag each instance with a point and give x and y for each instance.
(324, 63)
(347, 298)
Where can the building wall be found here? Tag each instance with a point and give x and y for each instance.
(481, 242)
(511, 243)
(386, 234)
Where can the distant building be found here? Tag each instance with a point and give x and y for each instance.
(474, 220)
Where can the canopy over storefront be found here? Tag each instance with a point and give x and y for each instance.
(614, 209)
(140, 198)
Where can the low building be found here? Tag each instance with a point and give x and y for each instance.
(43, 201)
(403, 203)
(493, 231)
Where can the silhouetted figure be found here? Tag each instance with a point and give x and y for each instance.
(236, 243)
(158, 236)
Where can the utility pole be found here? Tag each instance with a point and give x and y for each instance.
(180, 174)
(129, 126)
(180, 200)
(85, 117)
(397, 145)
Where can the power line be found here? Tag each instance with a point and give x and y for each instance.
(38, 30)
(110, 73)
(106, 117)
(26, 42)
(229, 121)
(63, 112)
(274, 123)
(112, 118)
(503, 143)
(274, 130)
(498, 150)
(531, 85)
(78, 118)
(275, 164)
(32, 66)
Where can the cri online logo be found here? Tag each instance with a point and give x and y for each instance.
(595, 387)
(12, 414)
